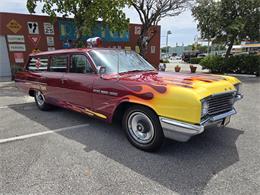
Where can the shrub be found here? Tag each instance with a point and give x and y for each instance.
(194, 60)
(214, 63)
(242, 64)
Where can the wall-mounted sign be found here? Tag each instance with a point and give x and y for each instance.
(138, 30)
(18, 57)
(33, 27)
(127, 48)
(50, 41)
(153, 49)
(68, 32)
(137, 49)
(14, 26)
(51, 48)
(15, 38)
(48, 28)
(34, 39)
(17, 47)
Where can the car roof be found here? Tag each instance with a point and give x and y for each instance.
(74, 50)
(59, 51)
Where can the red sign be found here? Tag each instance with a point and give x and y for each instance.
(18, 58)
(34, 39)
(38, 63)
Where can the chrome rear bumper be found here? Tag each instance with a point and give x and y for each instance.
(182, 131)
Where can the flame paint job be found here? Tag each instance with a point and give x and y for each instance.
(172, 95)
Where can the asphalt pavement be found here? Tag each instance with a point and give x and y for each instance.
(64, 152)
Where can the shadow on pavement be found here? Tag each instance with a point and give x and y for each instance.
(182, 167)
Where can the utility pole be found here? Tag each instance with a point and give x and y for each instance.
(167, 49)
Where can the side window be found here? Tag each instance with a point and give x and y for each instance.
(59, 63)
(80, 64)
(38, 64)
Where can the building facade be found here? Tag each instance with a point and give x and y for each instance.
(22, 34)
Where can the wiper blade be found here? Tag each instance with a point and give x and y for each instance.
(137, 70)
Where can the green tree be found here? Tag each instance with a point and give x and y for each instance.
(199, 47)
(150, 13)
(228, 21)
(86, 13)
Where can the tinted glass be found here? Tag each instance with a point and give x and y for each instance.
(59, 63)
(80, 64)
(38, 64)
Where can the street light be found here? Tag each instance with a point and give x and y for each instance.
(167, 49)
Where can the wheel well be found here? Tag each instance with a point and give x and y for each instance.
(31, 92)
(122, 107)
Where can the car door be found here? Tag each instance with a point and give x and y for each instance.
(36, 69)
(54, 78)
(78, 82)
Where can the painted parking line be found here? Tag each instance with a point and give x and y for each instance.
(22, 137)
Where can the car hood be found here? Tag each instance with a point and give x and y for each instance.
(201, 84)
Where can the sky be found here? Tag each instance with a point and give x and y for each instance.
(183, 27)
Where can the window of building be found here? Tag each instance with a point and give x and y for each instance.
(59, 63)
(80, 64)
(38, 64)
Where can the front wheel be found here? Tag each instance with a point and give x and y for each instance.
(143, 128)
(40, 101)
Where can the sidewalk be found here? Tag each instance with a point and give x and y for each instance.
(5, 79)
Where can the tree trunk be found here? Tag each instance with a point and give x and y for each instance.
(141, 42)
(230, 46)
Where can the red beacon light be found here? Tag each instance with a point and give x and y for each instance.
(94, 42)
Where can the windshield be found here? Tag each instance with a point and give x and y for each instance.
(126, 61)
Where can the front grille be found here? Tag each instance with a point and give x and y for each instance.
(220, 103)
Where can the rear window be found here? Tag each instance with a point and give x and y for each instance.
(38, 64)
(59, 63)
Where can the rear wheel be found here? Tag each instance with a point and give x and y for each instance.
(143, 128)
(40, 101)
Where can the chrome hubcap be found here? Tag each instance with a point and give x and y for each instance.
(39, 98)
(140, 127)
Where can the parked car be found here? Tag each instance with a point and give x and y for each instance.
(113, 84)
(202, 55)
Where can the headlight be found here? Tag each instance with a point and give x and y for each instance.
(237, 86)
(204, 108)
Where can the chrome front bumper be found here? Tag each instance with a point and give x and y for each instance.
(182, 131)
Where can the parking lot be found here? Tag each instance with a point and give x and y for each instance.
(63, 152)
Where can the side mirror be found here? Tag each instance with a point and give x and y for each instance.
(101, 70)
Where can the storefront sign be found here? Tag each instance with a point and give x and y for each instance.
(34, 39)
(18, 57)
(17, 47)
(48, 28)
(50, 41)
(33, 27)
(14, 26)
(15, 38)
